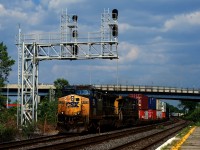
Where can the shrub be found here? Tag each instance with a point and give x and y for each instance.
(28, 130)
(7, 133)
(194, 116)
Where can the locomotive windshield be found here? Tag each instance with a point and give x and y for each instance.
(83, 92)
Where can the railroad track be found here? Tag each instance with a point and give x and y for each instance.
(78, 142)
(82, 143)
(31, 142)
(150, 141)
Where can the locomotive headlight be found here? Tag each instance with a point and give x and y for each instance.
(62, 112)
(72, 98)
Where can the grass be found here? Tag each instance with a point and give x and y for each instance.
(179, 136)
(197, 124)
(184, 131)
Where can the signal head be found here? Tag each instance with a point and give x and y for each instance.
(75, 34)
(115, 30)
(115, 14)
(75, 18)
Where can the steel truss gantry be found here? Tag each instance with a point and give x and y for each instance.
(67, 44)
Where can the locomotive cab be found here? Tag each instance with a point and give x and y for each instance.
(73, 112)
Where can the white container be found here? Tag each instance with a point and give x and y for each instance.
(158, 105)
(163, 106)
(159, 114)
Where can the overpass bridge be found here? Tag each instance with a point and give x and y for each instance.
(161, 92)
(12, 89)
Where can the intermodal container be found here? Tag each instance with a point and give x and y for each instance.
(158, 104)
(142, 101)
(152, 103)
(163, 106)
(143, 114)
(163, 115)
(159, 114)
(152, 114)
(167, 112)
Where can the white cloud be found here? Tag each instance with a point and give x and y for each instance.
(2, 9)
(154, 54)
(58, 4)
(182, 21)
(128, 52)
(124, 27)
(157, 39)
(1, 28)
(21, 15)
(9, 16)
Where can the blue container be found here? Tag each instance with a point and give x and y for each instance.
(152, 103)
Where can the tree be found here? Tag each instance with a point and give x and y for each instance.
(47, 115)
(190, 105)
(173, 109)
(60, 83)
(194, 116)
(5, 67)
(2, 102)
(5, 64)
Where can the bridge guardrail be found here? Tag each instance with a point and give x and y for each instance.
(136, 88)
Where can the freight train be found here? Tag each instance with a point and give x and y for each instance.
(85, 110)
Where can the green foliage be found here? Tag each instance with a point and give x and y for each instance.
(5, 64)
(2, 102)
(28, 130)
(12, 111)
(173, 109)
(5, 67)
(48, 111)
(184, 131)
(190, 105)
(60, 83)
(194, 116)
(198, 124)
(8, 115)
(8, 128)
(7, 133)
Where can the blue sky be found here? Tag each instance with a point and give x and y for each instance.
(159, 40)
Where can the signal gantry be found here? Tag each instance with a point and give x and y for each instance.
(67, 44)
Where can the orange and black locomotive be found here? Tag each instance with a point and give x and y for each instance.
(89, 110)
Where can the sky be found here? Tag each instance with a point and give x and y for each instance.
(159, 40)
